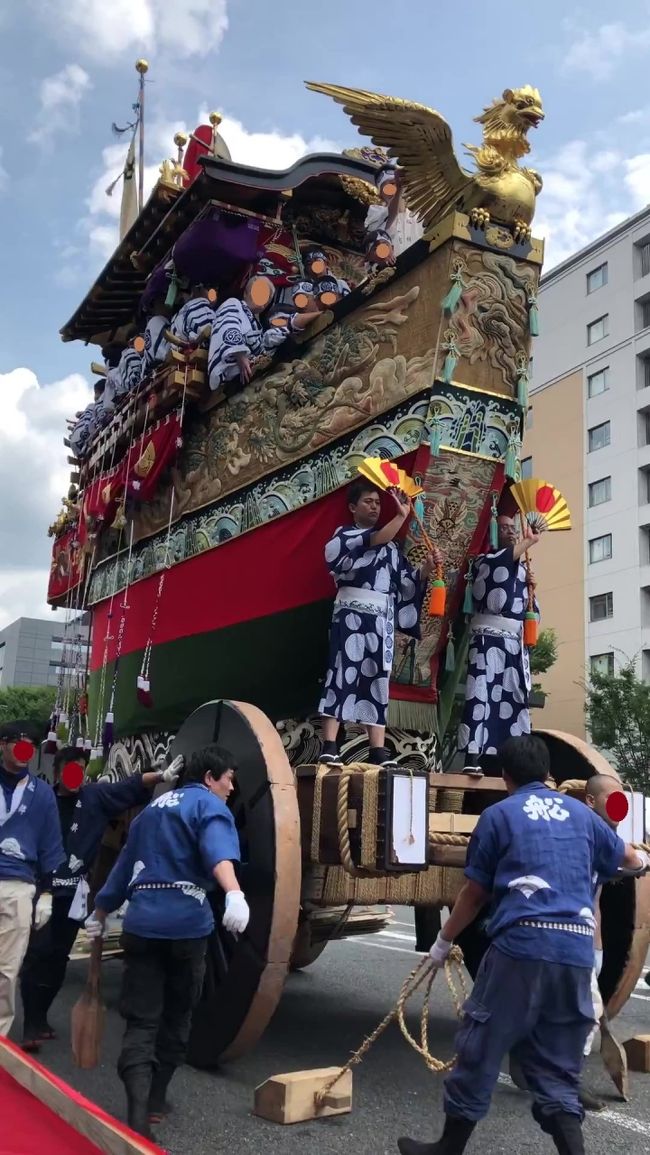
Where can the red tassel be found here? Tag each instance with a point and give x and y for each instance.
(437, 599)
(143, 692)
(531, 629)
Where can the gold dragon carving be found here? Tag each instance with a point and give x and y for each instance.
(433, 182)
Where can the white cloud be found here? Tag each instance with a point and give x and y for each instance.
(60, 97)
(600, 52)
(585, 193)
(106, 30)
(34, 476)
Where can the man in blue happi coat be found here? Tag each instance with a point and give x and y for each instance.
(177, 849)
(85, 810)
(535, 856)
(30, 849)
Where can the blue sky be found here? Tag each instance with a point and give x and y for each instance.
(67, 71)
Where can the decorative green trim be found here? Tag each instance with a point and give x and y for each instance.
(392, 435)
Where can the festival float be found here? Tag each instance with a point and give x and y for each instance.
(194, 529)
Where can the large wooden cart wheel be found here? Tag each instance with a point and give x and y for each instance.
(625, 905)
(245, 976)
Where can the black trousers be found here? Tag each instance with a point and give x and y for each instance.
(161, 984)
(45, 964)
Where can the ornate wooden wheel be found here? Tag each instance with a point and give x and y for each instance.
(245, 976)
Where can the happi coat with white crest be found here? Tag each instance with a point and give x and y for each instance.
(235, 330)
(498, 672)
(377, 593)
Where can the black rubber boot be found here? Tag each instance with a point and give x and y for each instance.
(565, 1131)
(590, 1102)
(158, 1104)
(137, 1083)
(453, 1141)
(378, 755)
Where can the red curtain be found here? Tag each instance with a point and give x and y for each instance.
(150, 455)
(66, 570)
(275, 567)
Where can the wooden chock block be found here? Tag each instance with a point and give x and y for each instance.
(637, 1050)
(292, 1098)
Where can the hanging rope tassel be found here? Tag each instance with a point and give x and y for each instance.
(533, 315)
(531, 624)
(468, 600)
(143, 692)
(438, 596)
(453, 354)
(450, 302)
(435, 437)
(107, 732)
(512, 456)
(494, 525)
(450, 654)
(523, 383)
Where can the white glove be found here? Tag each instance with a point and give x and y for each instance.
(440, 951)
(94, 926)
(42, 911)
(598, 964)
(237, 913)
(644, 858)
(171, 774)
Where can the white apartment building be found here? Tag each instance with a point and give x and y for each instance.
(593, 355)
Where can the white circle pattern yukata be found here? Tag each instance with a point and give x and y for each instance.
(377, 592)
(498, 671)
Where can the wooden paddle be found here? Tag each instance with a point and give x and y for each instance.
(614, 1058)
(87, 1022)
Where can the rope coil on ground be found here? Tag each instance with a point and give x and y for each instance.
(424, 972)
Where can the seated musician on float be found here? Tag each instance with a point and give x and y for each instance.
(238, 334)
(382, 219)
(378, 591)
(124, 372)
(156, 345)
(193, 321)
(326, 288)
(498, 682)
(88, 421)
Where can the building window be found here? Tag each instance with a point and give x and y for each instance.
(598, 329)
(644, 381)
(602, 664)
(644, 314)
(599, 436)
(598, 382)
(526, 468)
(644, 255)
(597, 278)
(600, 491)
(601, 607)
(600, 548)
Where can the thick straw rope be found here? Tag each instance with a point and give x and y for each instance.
(423, 973)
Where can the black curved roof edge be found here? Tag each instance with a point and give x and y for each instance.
(168, 212)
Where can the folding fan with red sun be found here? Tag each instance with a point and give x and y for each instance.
(541, 504)
(387, 475)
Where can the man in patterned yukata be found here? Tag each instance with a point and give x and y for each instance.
(377, 593)
(534, 857)
(498, 672)
(238, 336)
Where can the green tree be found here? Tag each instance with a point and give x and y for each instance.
(618, 716)
(544, 654)
(32, 703)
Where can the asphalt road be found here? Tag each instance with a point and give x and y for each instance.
(325, 1013)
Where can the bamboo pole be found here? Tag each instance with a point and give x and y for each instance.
(141, 67)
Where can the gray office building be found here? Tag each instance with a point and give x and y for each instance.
(33, 651)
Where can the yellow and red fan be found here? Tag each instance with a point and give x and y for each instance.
(387, 475)
(541, 504)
